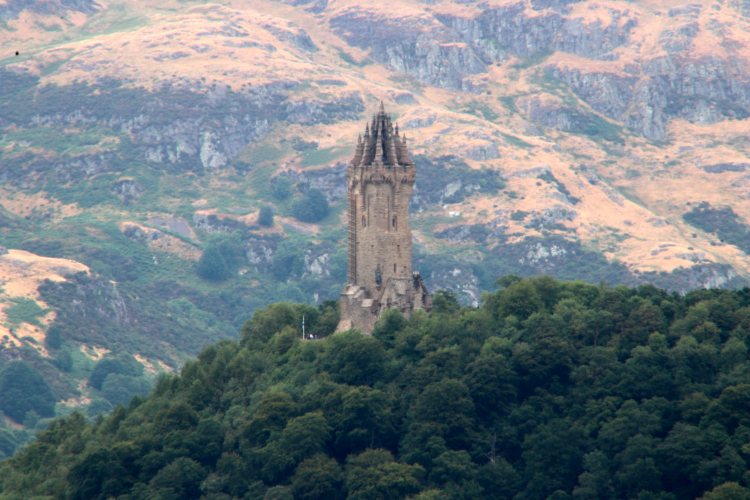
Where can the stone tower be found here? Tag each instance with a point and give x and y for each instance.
(380, 182)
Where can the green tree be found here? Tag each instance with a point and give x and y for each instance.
(498, 479)
(352, 358)
(279, 493)
(270, 415)
(374, 474)
(274, 318)
(447, 406)
(387, 326)
(361, 418)
(213, 265)
(119, 365)
(288, 261)
(64, 360)
(318, 478)
(23, 389)
(456, 473)
(99, 475)
(220, 259)
(328, 319)
(595, 483)
(53, 338)
(445, 301)
(303, 437)
(553, 455)
(490, 380)
(281, 187)
(180, 479)
(120, 389)
(727, 491)
(8, 443)
(311, 207)
(520, 299)
(265, 216)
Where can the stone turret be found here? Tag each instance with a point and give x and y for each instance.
(380, 180)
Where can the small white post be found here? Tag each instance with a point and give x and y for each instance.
(303, 327)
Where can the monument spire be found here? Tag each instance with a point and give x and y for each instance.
(380, 274)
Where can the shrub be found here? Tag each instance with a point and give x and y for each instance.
(288, 261)
(312, 207)
(22, 389)
(64, 361)
(220, 260)
(121, 365)
(265, 216)
(120, 389)
(53, 339)
(281, 188)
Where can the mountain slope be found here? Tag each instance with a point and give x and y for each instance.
(600, 140)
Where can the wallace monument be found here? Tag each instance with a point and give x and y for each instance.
(380, 181)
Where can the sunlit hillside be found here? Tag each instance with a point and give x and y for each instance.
(607, 141)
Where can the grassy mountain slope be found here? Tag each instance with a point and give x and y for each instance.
(600, 140)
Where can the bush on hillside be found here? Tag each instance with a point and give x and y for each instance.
(265, 216)
(220, 260)
(22, 389)
(311, 207)
(119, 365)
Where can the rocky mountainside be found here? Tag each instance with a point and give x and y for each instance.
(597, 140)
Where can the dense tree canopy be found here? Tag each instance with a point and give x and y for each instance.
(312, 206)
(548, 390)
(220, 260)
(22, 390)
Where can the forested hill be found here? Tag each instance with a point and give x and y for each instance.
(548, 390)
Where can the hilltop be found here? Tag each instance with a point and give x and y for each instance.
(548, 390)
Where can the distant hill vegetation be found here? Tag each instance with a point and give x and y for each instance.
(187, 166)
(548, 390)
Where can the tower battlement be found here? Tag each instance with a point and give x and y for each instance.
(380, 178)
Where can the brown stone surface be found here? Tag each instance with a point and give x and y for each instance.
(380, 182)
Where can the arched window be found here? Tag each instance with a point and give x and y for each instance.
(364, 221)
(394, 222)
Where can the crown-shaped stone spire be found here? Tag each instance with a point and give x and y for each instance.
(382, 145)
(358, 151)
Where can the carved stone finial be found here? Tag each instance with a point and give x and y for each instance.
(405, 158)
(378, 137)
(358, 151)
(391, 153)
